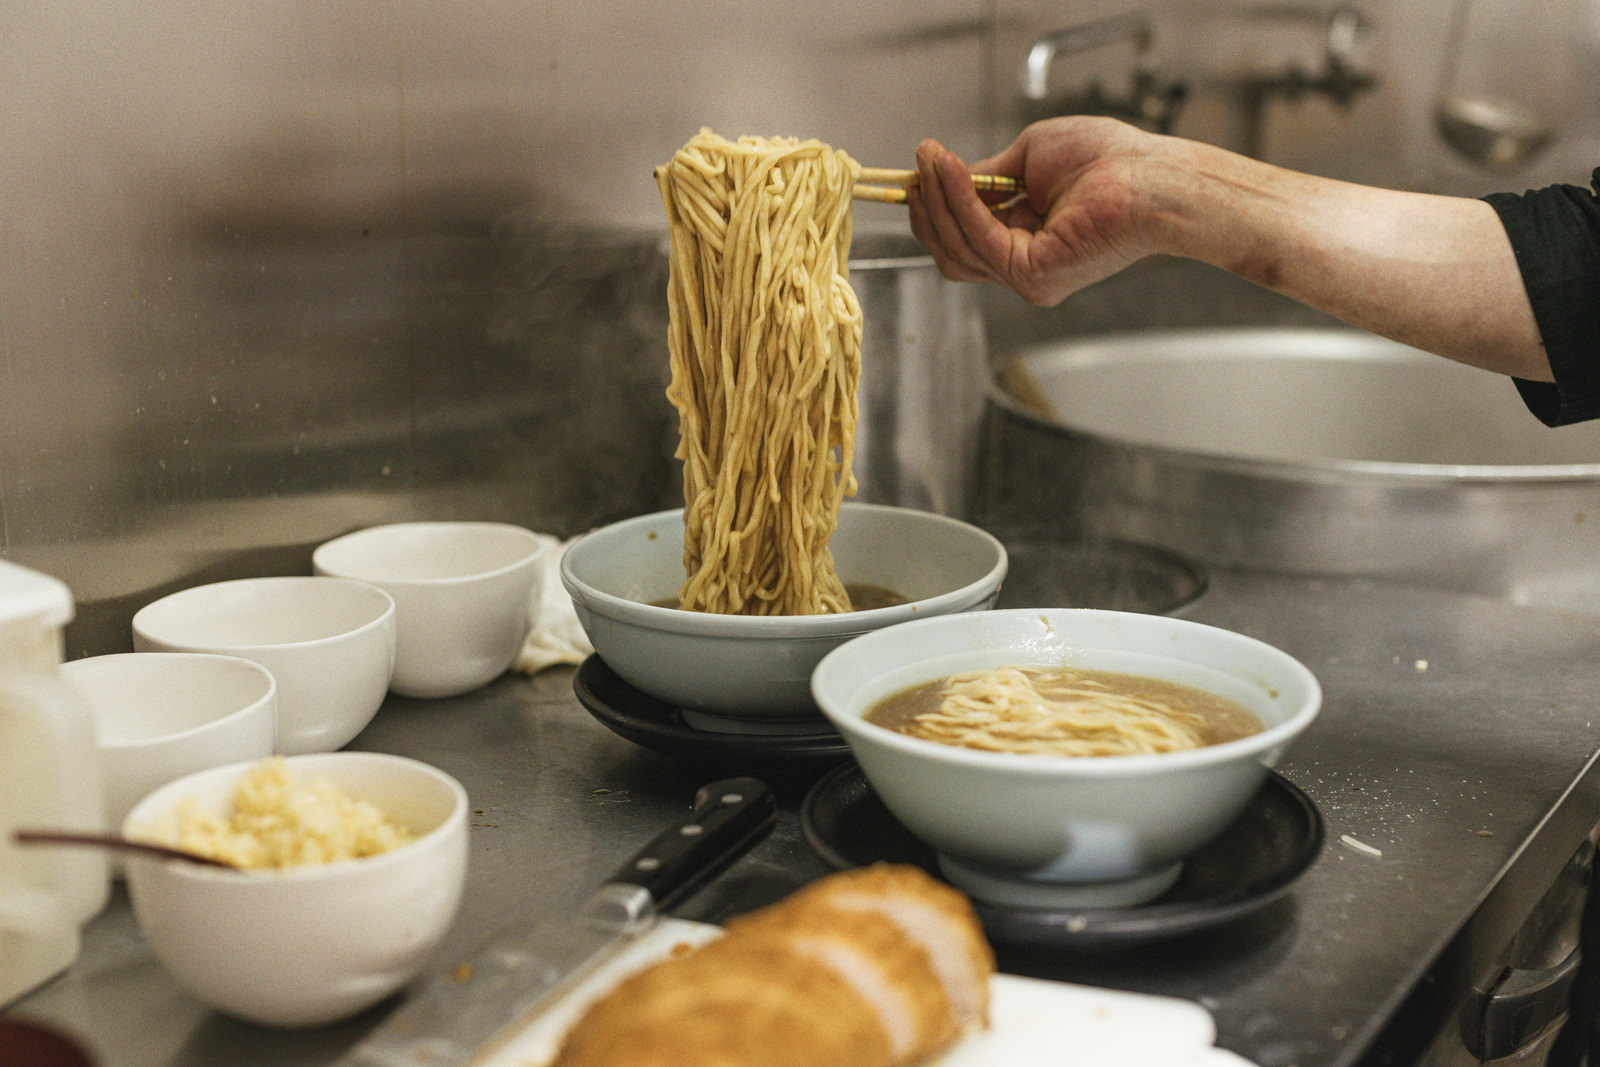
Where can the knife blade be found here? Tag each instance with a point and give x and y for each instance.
(470, 1009)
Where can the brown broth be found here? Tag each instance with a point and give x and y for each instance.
(1222, 719)
(864, 596)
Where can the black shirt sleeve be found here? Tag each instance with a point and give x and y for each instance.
(1555, 233)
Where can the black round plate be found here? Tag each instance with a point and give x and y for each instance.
(646, 721)
(1250, 865)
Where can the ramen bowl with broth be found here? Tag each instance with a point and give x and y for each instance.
(750, 674)
(1025, 826)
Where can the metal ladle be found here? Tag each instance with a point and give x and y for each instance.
(1485, 127)
(1491, 130)
(117, 843)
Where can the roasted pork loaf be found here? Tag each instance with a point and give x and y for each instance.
(878, 967)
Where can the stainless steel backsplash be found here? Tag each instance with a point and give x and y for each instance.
(281, 270)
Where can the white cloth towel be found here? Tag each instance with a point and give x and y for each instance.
(555, 637)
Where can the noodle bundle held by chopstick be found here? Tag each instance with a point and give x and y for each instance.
(765, 349)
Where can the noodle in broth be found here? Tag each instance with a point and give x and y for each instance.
(1064, 712)
(765, 348)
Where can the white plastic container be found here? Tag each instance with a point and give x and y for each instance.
(49, 777)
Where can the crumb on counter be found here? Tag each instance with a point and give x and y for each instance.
(1360, 846)
(278, 823)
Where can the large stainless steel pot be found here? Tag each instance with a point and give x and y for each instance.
(924, 368)
(1307, 451)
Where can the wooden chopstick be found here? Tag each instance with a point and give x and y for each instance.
(879, 194)
(887, 185)
(887, 176)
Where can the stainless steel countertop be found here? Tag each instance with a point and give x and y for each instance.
(1458, 737)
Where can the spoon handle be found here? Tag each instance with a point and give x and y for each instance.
(113, 841)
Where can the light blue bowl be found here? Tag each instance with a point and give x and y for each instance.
(1055, 831)
(753, 674)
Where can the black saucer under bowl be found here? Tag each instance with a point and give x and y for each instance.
(659, 726)
(1250, 865)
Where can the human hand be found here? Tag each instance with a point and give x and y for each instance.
(1077, 224)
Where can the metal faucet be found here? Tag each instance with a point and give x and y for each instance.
(1341, 79)
(1149, 102)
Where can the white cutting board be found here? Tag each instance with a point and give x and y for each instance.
(1032, 1022)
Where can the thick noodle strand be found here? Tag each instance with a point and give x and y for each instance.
(765, 347)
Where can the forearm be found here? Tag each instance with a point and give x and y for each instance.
(1434, 272)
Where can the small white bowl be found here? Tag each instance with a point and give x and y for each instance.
(161, 715)
(464, 595)
(1059, 831)
(307, 945)
(741, 673)
(329, 643)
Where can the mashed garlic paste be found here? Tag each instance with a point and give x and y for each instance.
(277, 823)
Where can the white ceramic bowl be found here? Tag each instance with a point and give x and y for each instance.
(464, 596)
(161, 715)
(1057, 831)
(329, 643)
(307, 945)
(736, 672)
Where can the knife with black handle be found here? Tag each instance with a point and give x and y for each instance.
(459, 1015)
